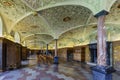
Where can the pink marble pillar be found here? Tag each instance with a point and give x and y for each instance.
(101, 41)
(102, 71)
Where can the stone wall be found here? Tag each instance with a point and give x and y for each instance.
(62, 53)
(116, 57)
(79, 53)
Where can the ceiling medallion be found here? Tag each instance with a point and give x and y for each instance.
(6, 3)
(35, 13)
(35, 37)
(23, 32)
(94, 26)
(34, 27)
(66, 19)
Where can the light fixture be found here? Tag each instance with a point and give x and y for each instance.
(94, 26)
(23, 32)
(34, 26)
(35, 13)
(6, 3)
(66, 19)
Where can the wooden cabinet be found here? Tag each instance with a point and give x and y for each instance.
(24, 53)
(10, 55)
(79, 53)
(13, 55)
(18, 54)
(66, 54)
(2, 55)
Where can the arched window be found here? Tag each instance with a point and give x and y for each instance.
(17, 37)
(1, 27)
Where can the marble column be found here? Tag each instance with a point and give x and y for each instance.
(55, 47)
(102, 71)
(47, 49)
(101, 41)
(41, 50)
(56, 54)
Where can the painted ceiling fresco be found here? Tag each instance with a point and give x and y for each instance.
(72, 22)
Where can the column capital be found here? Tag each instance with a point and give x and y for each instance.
(103, 12)
(55, 39)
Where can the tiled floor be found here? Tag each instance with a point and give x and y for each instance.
(66, 71)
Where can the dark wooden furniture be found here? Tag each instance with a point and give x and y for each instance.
(10, 54)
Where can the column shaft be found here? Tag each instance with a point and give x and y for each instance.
(101, 41)
(56, 54)
(56, 48)
(102, 71)
(47, 50)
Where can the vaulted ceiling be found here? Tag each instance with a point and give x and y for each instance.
(72, 22)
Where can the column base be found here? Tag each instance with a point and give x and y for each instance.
(56, 60)
(102, 72)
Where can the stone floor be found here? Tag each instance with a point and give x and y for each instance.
(63, 71)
